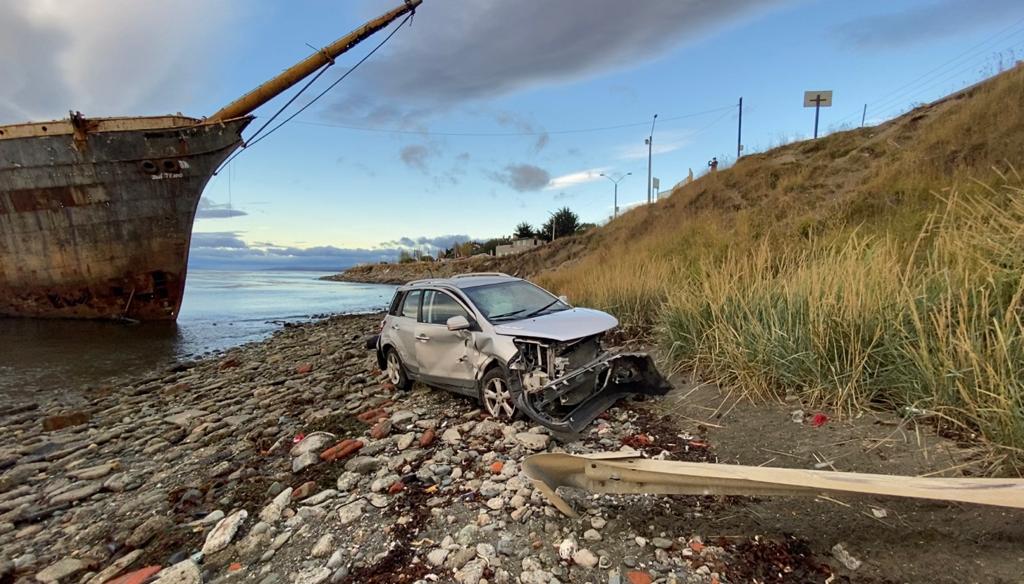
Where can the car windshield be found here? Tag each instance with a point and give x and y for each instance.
(513, 300)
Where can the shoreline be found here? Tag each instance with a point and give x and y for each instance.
(218, 470)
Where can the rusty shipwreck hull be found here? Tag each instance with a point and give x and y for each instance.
(96, 214)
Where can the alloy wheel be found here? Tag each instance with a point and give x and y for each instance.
(394, 370)
(498, 399)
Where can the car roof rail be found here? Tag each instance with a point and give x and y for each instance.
(475, 274)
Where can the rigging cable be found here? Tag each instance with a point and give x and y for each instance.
(251, 142)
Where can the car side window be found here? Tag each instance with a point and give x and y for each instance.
(438, 307)
(411, 306)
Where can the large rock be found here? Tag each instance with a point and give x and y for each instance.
(186, 572)
(61, 421)
(148, 530)
(349, 513)
(363, 464)
(304, 461)
(533, 441)
(64, 569)
(315, 442)
(94, 472)
(471, 573)
(585, 558)
(111, 571)
(185, 418)
(272, 512)
(77, 494)
(221, 535)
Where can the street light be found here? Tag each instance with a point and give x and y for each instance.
(615, 208)
(650, 150)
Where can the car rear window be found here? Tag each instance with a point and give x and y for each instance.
(396, 303)
(411, 306)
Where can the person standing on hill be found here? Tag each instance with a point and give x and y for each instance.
(713, 163)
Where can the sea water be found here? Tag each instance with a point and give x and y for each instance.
(221, 309)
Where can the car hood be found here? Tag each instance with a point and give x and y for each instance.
(564, 325)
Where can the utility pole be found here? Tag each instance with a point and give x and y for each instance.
(739, 132)
(650, 152)
(817, 109)
(615, 204)
(863, 115)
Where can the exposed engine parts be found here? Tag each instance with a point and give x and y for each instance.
(565, 385)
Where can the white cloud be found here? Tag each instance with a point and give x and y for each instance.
(106, 57)
(664, 142)
(575, 178)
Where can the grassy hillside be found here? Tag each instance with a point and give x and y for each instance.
(874, 266)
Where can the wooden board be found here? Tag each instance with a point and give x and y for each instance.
(625, 473)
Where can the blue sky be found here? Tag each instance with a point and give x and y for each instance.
(483, 114)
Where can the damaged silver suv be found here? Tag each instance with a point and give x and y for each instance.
(511, 344)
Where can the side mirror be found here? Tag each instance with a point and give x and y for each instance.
(564, 300)
(458, 323)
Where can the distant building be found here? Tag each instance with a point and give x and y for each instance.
(517, 246)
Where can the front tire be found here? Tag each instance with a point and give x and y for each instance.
(496, 395)
(395, 370)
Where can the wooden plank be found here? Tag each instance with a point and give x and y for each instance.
(624, 473)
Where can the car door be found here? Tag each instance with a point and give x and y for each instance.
(403, 329)
(443, 355)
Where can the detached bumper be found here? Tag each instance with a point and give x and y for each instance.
(606, 380)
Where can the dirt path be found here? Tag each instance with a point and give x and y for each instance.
(897, 540)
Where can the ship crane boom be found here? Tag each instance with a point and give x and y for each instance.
(296, 73)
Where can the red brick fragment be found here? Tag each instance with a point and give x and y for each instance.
(341, 450)
(371, 416)
(427, 438)
(304, 368)
(305, 489)
(396, 487)
(136, 577)
(637, 577)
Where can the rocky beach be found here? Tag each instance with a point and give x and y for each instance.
(290, 460)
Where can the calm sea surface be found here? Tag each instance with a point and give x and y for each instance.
(221, 309)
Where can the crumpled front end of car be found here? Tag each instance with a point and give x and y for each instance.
(566, 385)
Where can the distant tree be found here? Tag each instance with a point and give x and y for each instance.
(586, 226)
(565, 223)
(524, 231)
(404, 257)
(465, 249)
(427, 258)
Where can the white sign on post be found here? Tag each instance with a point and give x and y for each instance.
(817, 99)
(657, 182)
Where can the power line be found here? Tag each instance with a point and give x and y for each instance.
(925, 88)
(885, 101)
(509, 134)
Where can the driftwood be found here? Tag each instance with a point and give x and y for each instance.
(625, 473)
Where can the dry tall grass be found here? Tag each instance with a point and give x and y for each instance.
(846, 270)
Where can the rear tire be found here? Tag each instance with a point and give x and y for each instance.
(496, 396)
(395, 370)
